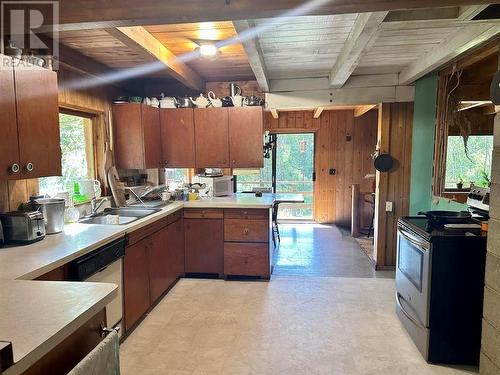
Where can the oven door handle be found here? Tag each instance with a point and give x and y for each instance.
(406, 313)
(413, 240)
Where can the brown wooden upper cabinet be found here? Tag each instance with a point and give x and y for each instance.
(246, 131)
(211, 137)
(177, 137)
(137, 136)
(29, 114)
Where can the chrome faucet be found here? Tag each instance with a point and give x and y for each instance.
(94, 206)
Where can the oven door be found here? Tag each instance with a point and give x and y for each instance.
(413, 275)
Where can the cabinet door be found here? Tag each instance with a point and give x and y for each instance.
(211, 135)
(38, 122)
(160, 260)
(177, 137)
(9, 148)
(204, 245)
(152, 137)
(128, 136)
(246, 134)
(136, 281)
(176, 248)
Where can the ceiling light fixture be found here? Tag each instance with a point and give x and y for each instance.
(208, 50)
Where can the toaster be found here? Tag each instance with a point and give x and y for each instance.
(22, 227)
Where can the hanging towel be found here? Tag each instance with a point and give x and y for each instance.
(103, 360)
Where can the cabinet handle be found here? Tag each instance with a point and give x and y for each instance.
(14, 168)
(30, 167)
(247, 231)
(245, 213)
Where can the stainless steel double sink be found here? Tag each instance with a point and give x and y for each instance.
(118, 216)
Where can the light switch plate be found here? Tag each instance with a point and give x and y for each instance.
(388, 206)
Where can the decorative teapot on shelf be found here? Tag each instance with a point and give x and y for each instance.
(201, 101)
(216, 102)
(168, 101)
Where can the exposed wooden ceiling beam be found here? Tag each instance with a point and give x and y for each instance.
(469, 12)
(359, 40)
(274, 113)
(86, 14)
(423, 14)
(140, 40)
(362, 109)
(318, 111)
(254, 54)
(457, 44)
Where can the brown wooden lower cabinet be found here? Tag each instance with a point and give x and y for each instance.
(136, 281)
(176, 249)
(65, 356)
(204, 245)
(246, 259)
(166, 259)
(159, 263)
(152, 265)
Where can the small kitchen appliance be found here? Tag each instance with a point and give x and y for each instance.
(440, 268)
(218, 186)
(23, 227)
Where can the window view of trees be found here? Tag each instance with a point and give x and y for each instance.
(77, 154)
(474, 169)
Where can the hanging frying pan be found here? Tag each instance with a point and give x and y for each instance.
(383, 163)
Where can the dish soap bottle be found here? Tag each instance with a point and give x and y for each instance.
(77, 197)
(71, 215)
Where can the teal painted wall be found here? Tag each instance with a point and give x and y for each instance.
(422, 158)
(422, 155)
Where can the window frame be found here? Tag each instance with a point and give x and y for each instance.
(89, 146)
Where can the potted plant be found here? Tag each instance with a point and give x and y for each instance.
(460, 183)
(484, 179)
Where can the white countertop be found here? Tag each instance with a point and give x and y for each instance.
(37, 315)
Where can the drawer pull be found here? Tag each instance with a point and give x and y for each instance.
(246, 260)
(247, 231)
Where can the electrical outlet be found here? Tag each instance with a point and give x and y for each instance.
(388, 206)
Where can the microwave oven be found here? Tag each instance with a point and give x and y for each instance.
(217, 186)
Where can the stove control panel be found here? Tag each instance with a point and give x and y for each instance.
(479, 198)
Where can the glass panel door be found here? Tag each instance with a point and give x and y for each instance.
(295, 173)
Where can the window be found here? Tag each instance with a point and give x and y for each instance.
(77, 150)
(248, 179)
(462, 169)
(175, 177)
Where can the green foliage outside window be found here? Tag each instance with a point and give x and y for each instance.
(474, 169)
(74, 158)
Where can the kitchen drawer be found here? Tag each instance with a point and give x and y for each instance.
(172, 218)
(246, 259)
(246, 213)
(203, 213)
(246, 230)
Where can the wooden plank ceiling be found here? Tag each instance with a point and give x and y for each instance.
(231, 63)
(303, 47)
(410, 43)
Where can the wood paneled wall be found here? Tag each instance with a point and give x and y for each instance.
(344, 143)
(95, 101)
(291, 122)
(394, 137)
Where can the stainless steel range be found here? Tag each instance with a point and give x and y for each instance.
(440, 280)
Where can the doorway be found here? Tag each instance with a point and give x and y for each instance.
(288, 168)
(293, 172)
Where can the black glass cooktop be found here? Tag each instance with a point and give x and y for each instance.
(427, 228)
